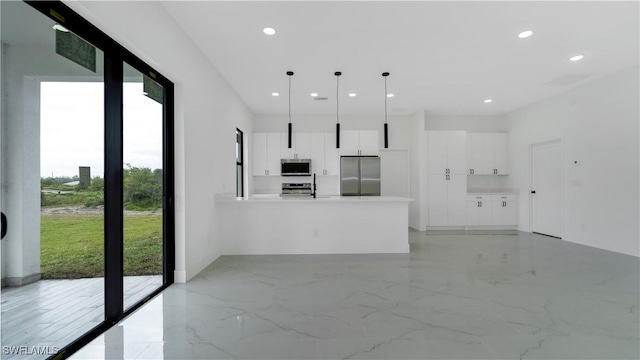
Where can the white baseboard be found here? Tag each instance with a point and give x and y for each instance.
(180, 276)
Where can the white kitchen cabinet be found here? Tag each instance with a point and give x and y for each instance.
(479, 210)
(504, 210)
(369, 142)
(359, 142)
(259, 154)
(487, 153)
(266, 154)
(446, 197)
(446, 152)
(302, 146)
(331, 155)
(324, 155)
(285, 151)
(317, 153)
(500, 153)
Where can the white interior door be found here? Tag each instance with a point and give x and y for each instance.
(546, 188)
(394, 173)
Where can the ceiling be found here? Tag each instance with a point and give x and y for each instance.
(444, 57)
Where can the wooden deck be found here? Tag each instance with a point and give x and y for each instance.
(55, 312)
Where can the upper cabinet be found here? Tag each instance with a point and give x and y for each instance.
(363, 142)
(447, 154)
(269, 148)
(266, 154)
(324, 154)
(300, 146)
(487, 153)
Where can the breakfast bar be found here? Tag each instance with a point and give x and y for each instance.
(272, 224)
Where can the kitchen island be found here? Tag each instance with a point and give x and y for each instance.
(270, 224)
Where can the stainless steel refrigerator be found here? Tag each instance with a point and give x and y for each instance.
(360, 176)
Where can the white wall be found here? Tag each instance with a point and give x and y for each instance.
(207, 112)
(464, 122)
(598, 125)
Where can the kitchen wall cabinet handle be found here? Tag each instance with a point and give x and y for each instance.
(479, 204)
(471, 171)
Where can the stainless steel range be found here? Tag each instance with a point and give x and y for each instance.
(296, 189)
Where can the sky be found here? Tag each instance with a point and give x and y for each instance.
(72, 128)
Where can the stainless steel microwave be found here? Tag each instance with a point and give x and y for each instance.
(295, 167)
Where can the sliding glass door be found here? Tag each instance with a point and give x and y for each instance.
(87, 180)
(143, 100)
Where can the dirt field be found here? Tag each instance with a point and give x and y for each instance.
(91, 210)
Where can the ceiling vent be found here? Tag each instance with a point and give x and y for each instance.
(318, 98)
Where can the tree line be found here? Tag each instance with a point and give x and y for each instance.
(142, 187)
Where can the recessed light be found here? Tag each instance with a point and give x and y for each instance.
(269, 31)
(576, 58)
(525, 34)
(352, 94)
(60, 28)
(275, 94)
(314, 94)
(488, 101)
(390, 95)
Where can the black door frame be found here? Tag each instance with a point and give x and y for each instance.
(115, 56)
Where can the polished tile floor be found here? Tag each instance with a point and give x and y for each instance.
(53, 313)
(498, 296)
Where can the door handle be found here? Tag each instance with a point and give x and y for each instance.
(533, 191)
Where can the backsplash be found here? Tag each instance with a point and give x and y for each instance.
(487, 181)
(327, 185)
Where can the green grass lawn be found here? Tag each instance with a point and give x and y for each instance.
(72, 246)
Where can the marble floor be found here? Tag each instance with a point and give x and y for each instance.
(53, 313)
(478, 296)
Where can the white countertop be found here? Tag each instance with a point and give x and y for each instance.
(276, 198)
(493, 191)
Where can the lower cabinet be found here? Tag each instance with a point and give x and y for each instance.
(504, 210)
(478, 210)
(492, 210)
(446, 199)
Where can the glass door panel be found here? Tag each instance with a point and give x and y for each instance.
(143, 185)
(52, 184)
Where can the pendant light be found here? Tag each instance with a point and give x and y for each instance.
(289, 130)
(337, 74)
(386, 126)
